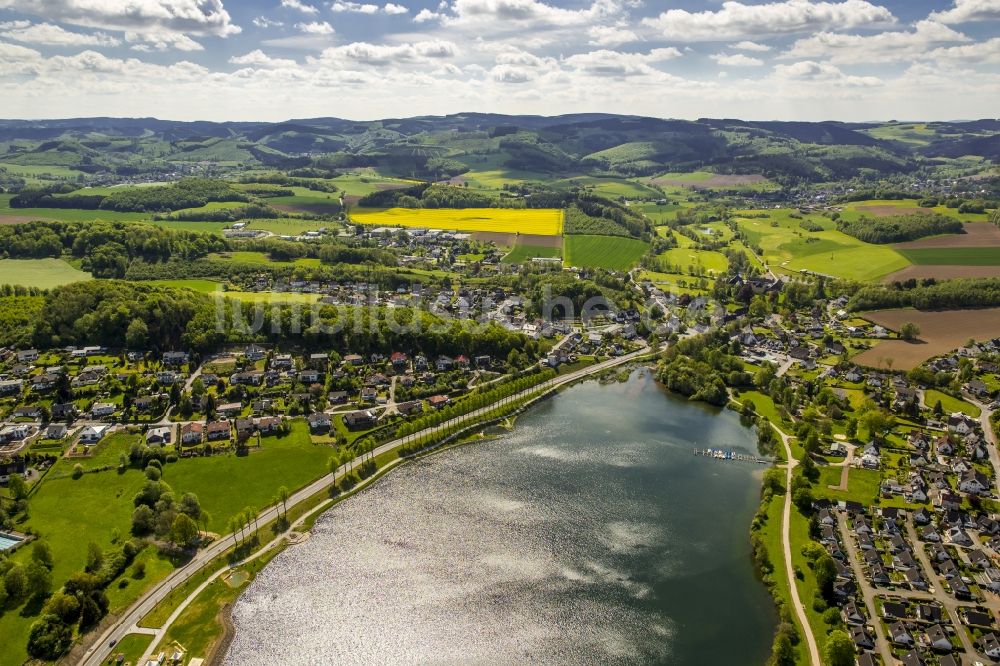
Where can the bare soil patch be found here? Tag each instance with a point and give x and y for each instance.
(942, 273)
(316, 209)
(540, 241)
(498, 238)
(940, 331)
(977, 234)
(719, 180)
(351, 199)
(21, 219)
(892, 211)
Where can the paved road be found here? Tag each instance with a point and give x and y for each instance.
(786, 546)
(948, 602)
(99, 649)
(867, 592)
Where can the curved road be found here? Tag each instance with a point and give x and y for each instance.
(100, 647)
(786, 546)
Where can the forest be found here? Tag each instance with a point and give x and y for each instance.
(899, 228)
(929, 295)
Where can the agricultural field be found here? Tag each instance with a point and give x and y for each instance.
(789, 248)
(43, 273)
(891, 207)
(954, 256)
(307, 201)
(542, 222)
(611, 252)
(940, 332)
(977, 235)
(705, 180)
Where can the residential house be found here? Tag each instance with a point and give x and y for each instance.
(56, 431)
(899, 634)
(175, 358)
(438, 401)
(938, 639)
(92, 434)
(161, 435)
(359, 419)
(101, 409)
(218, 430)
(192, 433)
(319, 422)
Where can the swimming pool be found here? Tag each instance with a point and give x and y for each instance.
(8, 541)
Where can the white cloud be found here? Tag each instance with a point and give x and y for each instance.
(979, 53)
(741, 21)
(967, 11)
(354, 7)
(156, 18)
(48, 34)
(161, 40)
(881, 47)
(607, 35)
(258, 58)
(615, 63)
(393, 9)
(816, 72)
(264, 22)
(425, 15)
(736, 60)
(384, 54)
(530, 12)
(298, 5)
(315, 28)
(747, 45)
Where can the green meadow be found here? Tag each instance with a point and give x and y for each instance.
(43, 273)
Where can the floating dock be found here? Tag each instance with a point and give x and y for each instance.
(727, 454)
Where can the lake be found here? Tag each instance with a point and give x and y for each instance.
(590, 534)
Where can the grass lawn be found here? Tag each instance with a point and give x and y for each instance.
(771, 534)
(674, 283)
(198, 627)
(271, 297)
(950, 404)
(610, 252)
(133, 646)
(679, 260)
(201, 286)
(44, 273)
(228, 484)
(862, 484)
(540, 222)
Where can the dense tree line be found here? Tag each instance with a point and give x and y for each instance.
(899, 228)
(248, 212)
(309, 179)
(702, 367)
(929, 295)
(119, 314)
(106, 248)
(186, 193)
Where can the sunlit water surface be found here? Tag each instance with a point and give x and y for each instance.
(589, 535)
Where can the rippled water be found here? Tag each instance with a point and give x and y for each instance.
(590, 535)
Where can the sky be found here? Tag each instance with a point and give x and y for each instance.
(850, 60)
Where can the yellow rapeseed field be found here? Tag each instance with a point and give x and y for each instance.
(541, 222)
